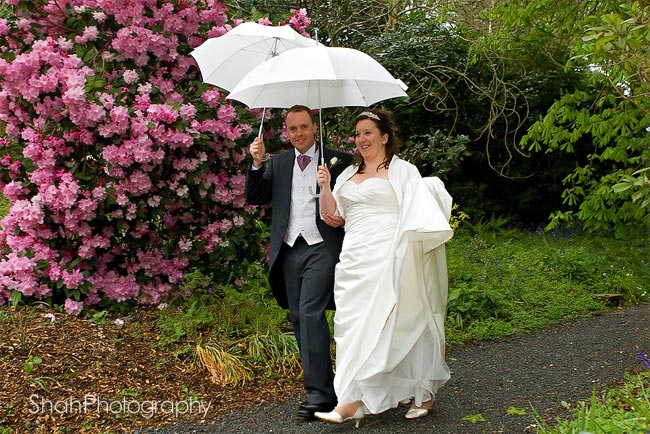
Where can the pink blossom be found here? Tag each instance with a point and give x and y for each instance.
(4, 27)
(185, 245)
(130, 76)
(188, 112)
(300, 21)
(162, 113)
(75, 94)
(226, 113)
(23, 24)
(145, 88)
(90, 33)
(14, 191)
(72, 279)
(73, 307)
(99, 16)
(64, 43)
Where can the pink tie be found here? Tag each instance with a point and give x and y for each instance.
(303, 161)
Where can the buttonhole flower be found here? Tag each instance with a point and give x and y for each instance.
(333, 161)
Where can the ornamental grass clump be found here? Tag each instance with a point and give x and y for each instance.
(122, 168)
(225, 368)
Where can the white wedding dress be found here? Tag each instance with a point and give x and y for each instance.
(390, 342)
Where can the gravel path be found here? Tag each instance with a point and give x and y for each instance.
(539, 369)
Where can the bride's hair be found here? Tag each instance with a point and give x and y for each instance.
(385, 121)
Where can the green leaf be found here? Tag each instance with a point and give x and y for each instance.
(475, 418)
(16, 297)
(516, 411)
(638, 195)
(89, 55)
(94, 83)
(622, 186)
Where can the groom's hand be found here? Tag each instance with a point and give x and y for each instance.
(257, 151)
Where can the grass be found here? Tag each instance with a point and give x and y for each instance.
(504, 282)
(616, 411)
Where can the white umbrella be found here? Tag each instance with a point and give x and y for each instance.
(318, 77)
(224, 60)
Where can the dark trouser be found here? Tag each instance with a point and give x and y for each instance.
(309, 278)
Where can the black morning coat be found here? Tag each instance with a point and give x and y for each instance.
(274, 185)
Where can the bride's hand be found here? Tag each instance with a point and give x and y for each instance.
(333, 220)
(323, 178)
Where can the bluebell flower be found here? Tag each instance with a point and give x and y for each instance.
(644, 358)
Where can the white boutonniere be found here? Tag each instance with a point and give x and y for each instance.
(333, 162)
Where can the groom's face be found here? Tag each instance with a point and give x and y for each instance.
(301, 129)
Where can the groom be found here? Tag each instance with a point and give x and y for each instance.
(304, 250)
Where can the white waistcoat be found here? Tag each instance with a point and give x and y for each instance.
(302, 215)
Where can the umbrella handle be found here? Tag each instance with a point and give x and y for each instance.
(311, 191)
(259, 134)
(322, 156)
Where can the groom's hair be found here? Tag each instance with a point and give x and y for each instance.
(300, 108)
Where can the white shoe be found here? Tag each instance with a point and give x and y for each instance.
(335, 417)
(418, 412)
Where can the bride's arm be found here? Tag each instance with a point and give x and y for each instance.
(327, 201)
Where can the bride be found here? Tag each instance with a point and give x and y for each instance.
(391, 281)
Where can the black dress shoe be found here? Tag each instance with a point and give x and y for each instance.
(307, 409)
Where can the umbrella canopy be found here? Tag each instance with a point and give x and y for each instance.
(224, 60)
(318, 77)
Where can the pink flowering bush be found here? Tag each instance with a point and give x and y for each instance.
(123, 169)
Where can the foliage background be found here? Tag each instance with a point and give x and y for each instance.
(539, 103)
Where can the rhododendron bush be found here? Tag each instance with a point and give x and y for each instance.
(124, 170)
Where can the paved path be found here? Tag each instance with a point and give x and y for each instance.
(539, 369)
